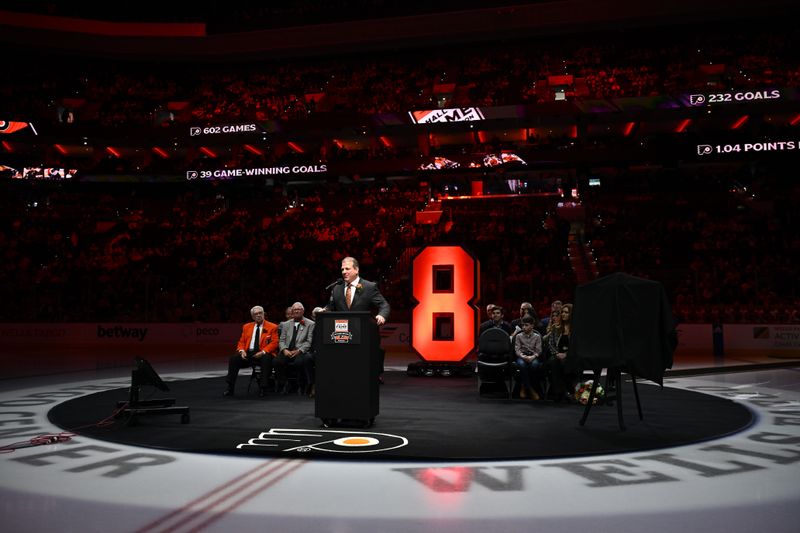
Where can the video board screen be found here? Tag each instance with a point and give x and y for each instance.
(38, 173)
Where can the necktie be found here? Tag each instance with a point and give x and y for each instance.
(294, 336)
(348, 297)
(256, 338)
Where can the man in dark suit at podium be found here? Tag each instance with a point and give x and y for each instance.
(353, 293)
(357, 294)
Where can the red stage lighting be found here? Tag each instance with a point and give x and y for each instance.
(628, 128)
(208, 151)
(160, 152)
(736, 125)
(253, 149)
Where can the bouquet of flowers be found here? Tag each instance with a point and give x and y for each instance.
(583, 390)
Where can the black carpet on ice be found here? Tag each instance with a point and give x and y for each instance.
(421, 418)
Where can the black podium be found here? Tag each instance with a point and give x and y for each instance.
(347, 368)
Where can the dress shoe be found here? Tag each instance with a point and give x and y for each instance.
(228, 392)
(522, 393)
(533, 395)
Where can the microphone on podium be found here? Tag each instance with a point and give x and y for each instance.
(332, 285)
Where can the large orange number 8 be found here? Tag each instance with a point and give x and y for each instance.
(445, 318)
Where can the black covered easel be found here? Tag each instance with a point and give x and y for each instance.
(623, 324)
(613, 390)
(144, 374)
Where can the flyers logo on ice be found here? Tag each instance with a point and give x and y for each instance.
(333, 441)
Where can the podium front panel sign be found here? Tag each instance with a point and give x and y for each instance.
(342, 330)
(347, 366)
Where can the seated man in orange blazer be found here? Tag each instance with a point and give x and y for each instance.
(257, 345)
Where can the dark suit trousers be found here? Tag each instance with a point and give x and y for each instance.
(561, 381)
(298, 363)
(236, 362)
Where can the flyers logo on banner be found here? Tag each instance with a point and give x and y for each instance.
(7, 126)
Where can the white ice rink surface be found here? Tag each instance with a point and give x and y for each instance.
(745, 482)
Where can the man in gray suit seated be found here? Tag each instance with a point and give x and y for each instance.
(293, 349)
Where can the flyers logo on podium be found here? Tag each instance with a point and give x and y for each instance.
(341, 331)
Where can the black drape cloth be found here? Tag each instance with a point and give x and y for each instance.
(621, 321)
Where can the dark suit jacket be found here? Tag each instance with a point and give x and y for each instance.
(365, 299)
